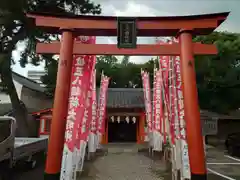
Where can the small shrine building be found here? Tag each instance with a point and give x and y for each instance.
(125, 117)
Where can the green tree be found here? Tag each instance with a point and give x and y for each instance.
(113, 67)
(50, 78)
(218, 77)
(124, 74)
(16, 27)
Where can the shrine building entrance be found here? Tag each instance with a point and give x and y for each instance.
(122, 129)
(125, 117)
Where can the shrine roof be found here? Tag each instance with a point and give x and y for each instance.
(134, 98)
(91, 25)
(125, 98)
(26, 82)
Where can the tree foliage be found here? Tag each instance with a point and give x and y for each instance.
(218, 77)
(15, 27)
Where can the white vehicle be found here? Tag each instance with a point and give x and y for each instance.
(15, 150)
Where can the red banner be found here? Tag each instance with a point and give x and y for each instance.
(158, 110)
(164, 64)
(77, 99)
(88, 109)
(181, 120)
(94, 104)
(164, 68)
(172, 109)
(85, 126)
(154, 99)
(102, 104)
(80, 78)
(147, 98)
(180, 98)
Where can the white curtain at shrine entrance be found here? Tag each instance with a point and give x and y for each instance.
(123, 127)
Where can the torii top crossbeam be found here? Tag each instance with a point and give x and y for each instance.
(147, 26)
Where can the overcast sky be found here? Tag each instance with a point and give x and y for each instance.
(157, 8)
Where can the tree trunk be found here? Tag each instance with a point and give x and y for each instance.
(19, 110)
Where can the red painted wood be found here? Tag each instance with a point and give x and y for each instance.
(112, 49)
(60, 107)
(147, 26)
(191, 107)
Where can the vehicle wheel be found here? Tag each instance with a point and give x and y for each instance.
(40, 157)
(33, 164)
(30, 164)
(230, 150)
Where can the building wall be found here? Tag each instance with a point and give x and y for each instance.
(36, 76)
(34, 100)
(225, 127)
(5, 99)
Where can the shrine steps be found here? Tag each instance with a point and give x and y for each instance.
(123, 147)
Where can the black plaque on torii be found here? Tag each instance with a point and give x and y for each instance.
(127, 32)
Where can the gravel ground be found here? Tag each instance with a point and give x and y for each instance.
(135, 167)
(121, 166)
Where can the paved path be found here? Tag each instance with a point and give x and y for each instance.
(125, 165)
(221, 166)
(135, 166)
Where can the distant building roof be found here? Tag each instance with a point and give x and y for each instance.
(28, 82)
(6, 108)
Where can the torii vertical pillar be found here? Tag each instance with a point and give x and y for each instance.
(60, 108)
(192, 113)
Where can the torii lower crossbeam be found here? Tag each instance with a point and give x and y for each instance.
(141, 50)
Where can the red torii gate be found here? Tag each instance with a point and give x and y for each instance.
(183, 27)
